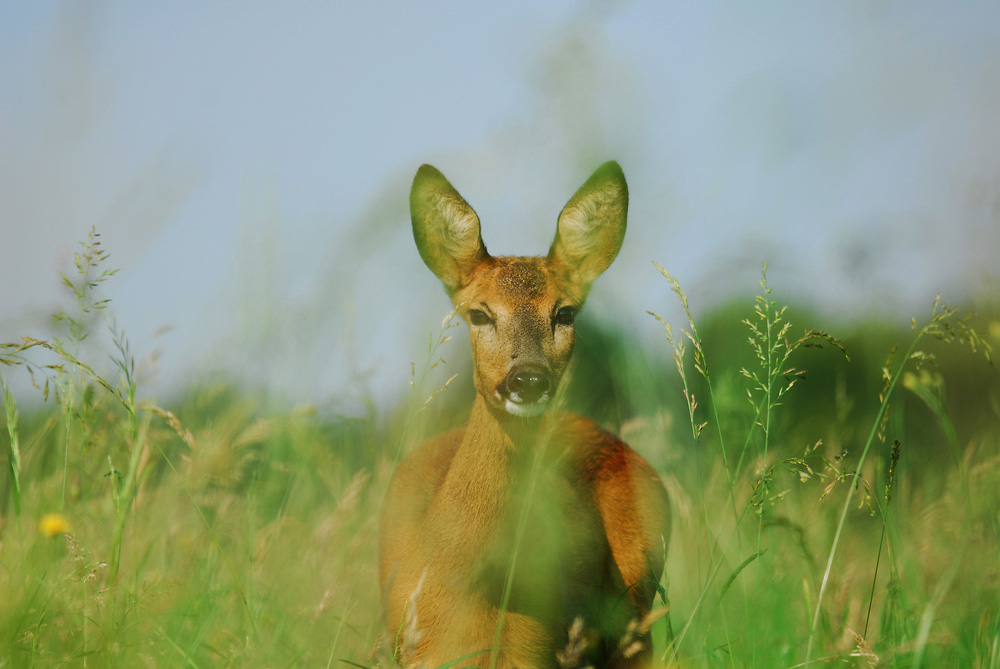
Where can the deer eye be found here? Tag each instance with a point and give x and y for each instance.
(566, 316)
(477, 317)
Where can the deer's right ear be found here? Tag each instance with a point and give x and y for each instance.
(445, 228)
(592, 224)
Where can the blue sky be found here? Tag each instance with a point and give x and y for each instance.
(248, 165)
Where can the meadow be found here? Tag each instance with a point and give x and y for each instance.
(836, 497)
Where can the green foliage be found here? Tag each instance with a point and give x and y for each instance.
(13, 448)
(846, 514)
(795, 519)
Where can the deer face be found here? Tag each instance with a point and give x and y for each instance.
(520, 311)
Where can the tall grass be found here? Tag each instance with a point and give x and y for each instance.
(848, 514)
(766, 386)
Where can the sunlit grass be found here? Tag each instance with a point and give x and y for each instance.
(816, 520)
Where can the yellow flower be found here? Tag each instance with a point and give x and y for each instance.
(52, 524)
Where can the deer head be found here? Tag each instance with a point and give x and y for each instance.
(520, 310)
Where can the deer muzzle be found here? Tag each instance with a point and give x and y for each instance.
(526, 390)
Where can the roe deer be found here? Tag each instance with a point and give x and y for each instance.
(501, 536)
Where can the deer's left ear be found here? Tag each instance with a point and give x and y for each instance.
(445, 228)
(592, 225)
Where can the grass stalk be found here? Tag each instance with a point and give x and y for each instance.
(942, 326)
(522, 522)
(849, 497)
(433, 360)
(13, 451)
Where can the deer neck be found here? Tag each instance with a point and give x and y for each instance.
(499, 443)
(488, 473)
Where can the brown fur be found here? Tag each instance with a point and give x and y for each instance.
(584, 516)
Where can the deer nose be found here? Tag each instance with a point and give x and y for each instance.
(527, 383)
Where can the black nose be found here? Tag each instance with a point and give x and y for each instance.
(528, 384)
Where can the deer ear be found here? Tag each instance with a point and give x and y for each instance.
(592, 225)
(445, 228)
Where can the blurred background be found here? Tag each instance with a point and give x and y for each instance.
(248, 166)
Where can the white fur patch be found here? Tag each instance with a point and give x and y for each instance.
(527, 410)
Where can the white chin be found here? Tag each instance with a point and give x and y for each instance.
(528, 410)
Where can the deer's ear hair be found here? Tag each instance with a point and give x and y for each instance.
(445, 228)
(592, 225)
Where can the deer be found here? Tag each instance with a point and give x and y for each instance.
(530, 537)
